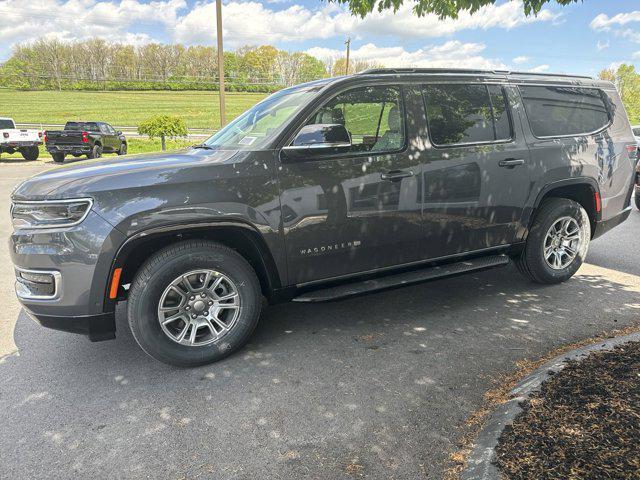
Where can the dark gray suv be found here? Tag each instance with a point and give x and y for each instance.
(323, 191)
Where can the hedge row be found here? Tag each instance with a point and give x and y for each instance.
(39, 84)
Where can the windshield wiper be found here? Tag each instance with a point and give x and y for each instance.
(203, 145)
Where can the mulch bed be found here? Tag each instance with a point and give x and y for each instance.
(584, 423)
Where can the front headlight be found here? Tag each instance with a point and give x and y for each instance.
(49, 213)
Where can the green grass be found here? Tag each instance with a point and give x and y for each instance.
(136, 145)
(197, 109)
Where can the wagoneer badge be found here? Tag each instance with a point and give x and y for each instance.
(330, 248)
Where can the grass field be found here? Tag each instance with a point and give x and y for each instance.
(197, 109)
(136, 145)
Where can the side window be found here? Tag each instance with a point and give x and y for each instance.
(466, 113)
(555, 111)
(110, 129)
(103, 128)
(373, 116)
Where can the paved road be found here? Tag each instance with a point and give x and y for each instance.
(374, 386)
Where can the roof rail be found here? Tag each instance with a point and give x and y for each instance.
(465, 70)
(420, 70)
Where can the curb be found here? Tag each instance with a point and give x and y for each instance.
(480, 464)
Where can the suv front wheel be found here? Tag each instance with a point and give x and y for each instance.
(558, 242)
(194, 303)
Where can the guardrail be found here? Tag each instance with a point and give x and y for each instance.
(131, 132)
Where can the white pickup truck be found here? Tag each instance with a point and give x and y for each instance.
(14, 140)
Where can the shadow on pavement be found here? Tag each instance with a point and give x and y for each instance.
(372, 386)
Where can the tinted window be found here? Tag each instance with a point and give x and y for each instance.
(554, 111)
(82, 126)
(372, 116)
(6, 124)
(466, 113)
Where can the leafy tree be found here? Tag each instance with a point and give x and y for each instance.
(627, 81)
(442, 8)
(163, 126)
(310, 68)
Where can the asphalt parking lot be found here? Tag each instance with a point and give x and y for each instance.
(374, 387)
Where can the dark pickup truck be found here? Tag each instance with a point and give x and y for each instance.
(84, 138)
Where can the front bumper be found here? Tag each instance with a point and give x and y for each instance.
(81, 259)
(96, 327)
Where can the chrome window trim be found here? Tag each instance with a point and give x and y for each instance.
(53, 202)
(57, 284)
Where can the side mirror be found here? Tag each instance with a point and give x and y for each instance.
(119, 132)
(318, 140)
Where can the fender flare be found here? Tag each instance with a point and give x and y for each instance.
(267, 262)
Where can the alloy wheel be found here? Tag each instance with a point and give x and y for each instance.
(199, 307)
(562, 243)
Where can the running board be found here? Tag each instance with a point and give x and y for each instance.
(402, 279)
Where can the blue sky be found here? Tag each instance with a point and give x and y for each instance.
(582, 38)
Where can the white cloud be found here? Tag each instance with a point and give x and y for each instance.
(452, 54)
(299, 23)
(604, 22)
(520, 60)
(602, 45)
(616, 24)
(539, 69)
(245, 21)
(80, 19)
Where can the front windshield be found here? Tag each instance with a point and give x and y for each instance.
(256, 127)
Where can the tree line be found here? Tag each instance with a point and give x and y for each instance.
(51, 64)
(627, 82)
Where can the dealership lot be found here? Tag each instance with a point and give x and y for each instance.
(375, 386)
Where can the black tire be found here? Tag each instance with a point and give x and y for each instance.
(531, 261)
(123, 149)
(637, 195)
(156, 275)
(96, 152)
(30, 153)
(58, 157)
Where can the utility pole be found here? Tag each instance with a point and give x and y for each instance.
(348, 44)
(220, 61)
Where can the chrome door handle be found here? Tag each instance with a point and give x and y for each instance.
(396, 175)
(511, 162)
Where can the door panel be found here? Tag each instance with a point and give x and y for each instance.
(471, 202)
(361, 210)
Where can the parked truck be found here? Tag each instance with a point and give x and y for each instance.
(14, 139)
(84, 138)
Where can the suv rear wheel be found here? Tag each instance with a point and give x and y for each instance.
(638, 200)
(58, 157)
(558, 242)
(194, 303)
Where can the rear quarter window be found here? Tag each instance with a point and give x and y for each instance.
(6, 124)
(559, 111)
